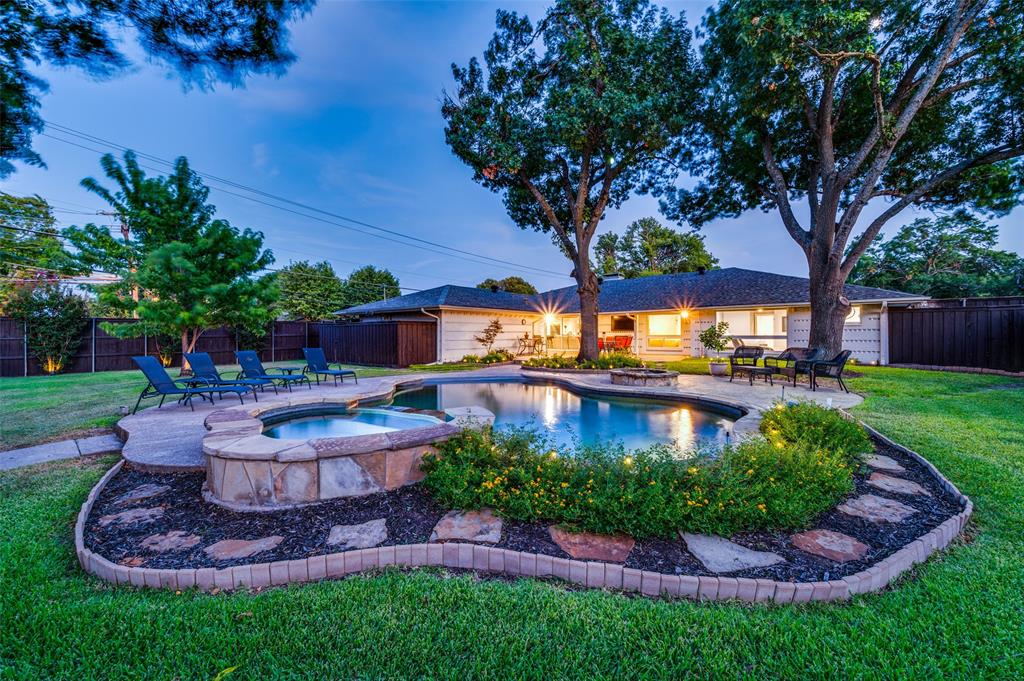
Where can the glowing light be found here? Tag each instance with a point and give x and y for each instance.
(875, 23)
(52, 366)
(552, 455)
(549, 319)
(685, 314)
(628, 460)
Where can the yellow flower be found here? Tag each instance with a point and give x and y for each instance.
(750, 471)
(761, 507)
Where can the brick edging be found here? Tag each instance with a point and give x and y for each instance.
(521, 563)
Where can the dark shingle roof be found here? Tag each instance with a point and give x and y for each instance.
(728, 287)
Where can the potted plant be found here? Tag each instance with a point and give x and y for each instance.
(714, 338)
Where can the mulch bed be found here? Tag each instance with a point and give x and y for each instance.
(411, 515)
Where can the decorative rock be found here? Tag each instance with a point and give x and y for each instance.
(232, 549)
(469, 526)
(885, 463)
(876, 509)
(132, 516)
(343, 477)
(175, 540)
(832, 545)
(721, 555)
(362, 536)
(589, 546)
(889, 483)
(141, 492)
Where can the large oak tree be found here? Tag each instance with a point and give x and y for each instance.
(847, 105)
(569, 118)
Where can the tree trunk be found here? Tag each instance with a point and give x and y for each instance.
(829, 307)
(588, 290)
(188, 344)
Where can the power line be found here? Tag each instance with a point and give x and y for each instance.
(450, 250)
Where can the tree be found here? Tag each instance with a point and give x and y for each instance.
(204, 42)
(30, 246)
(844, 106)
(369, 284)
(511, 284)
(648, 247)
(570, 118)
(309, 292)
(953, 256)
(206, 283)
(490, 334)
(54, 320)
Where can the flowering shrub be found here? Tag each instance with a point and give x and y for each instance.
(754, 485)
(817, 427)
(609, 360)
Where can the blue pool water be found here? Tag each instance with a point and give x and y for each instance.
(339, 422)
(566, 417)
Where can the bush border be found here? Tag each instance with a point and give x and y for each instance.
(591, 574)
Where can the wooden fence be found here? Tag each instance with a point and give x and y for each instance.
(983, 333)
(99, 351)
(390, 344)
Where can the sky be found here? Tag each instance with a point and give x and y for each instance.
(353, 128)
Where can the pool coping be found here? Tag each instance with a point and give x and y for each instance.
(591, 574)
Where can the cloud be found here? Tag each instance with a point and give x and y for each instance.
(260, 161)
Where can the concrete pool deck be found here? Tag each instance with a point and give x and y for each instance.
(170, 438)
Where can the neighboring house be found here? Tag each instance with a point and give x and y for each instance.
(664, 314)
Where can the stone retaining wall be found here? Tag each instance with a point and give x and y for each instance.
(520, 563)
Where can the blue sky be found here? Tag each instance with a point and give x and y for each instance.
(354, 128)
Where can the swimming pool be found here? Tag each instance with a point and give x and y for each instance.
(319, 422)
(567, 417)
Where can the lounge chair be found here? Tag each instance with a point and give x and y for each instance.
(252, 368)
(203, 367)
(160, 383)
(743, 360)
(832, 368)
(317, 364)
(792, 362)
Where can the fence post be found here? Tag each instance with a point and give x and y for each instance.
(273, 340)
(145, 344)
(307, 335)
(92, 344)
(24, 346)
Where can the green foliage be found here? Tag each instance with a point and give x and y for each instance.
(649, 248)
(817, 427)
(509, 285)
(55, 319)
(29, 243)
(650, 493)
(309, 292)
(490, 334)
(606, 360)
(952, 256)
(497, 357)
(715, 337)
(369, 284)
(203, 42)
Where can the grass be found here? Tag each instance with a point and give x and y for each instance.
(43, 408)
(959, 615)
(690, 365)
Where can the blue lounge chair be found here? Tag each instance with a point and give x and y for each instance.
(203, 367)
(252, 368)
(317, 364)
(160, 383)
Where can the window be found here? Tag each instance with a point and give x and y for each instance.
(664, 331)
(854, 316)
(764, 324)
(622, 323)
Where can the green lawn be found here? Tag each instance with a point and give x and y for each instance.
(960, 615)
(42, 408)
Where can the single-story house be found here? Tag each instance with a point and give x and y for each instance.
(663, 314)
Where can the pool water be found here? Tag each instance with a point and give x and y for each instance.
(566, 417)
(340, 422)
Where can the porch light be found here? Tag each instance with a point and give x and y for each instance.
(685, 314)
(549, 319)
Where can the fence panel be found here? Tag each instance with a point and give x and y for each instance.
(391, 344)
(986, 336)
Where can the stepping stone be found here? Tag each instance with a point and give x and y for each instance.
(897, 485)
(885, 463)
(721, 555)
(232, 549)
(361, 536)
(832, 545)
(614, 548)
(175, 540)
(141, 492)
(132, 516)
(876, 509)
(469, 526)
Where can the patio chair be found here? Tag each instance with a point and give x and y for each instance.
(252, 368)
(832, 368)
(160, 383)
(317, 364)
(203, 367)
(792, 362)
(743, 360)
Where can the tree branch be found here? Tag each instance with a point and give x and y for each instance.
(549, 212)
(781, 195)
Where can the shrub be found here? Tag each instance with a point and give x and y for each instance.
(715, 336)
(497, 356)
(55, 319)
(611, 360)
(816, 427)
(470, 359)
(653, 492)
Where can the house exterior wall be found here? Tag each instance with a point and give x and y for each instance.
(863, 339)
(458, 328)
